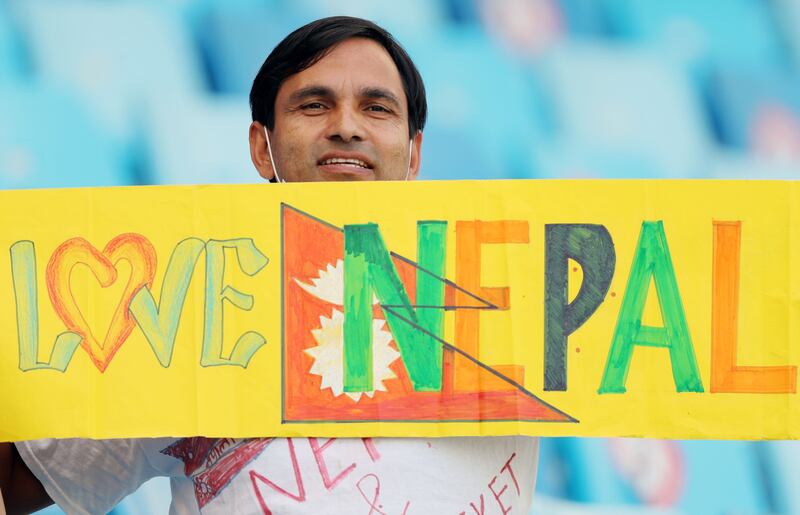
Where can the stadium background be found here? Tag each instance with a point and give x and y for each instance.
(121, 92)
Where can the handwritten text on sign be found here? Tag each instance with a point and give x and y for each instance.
(615, 308)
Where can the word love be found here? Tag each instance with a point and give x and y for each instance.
(158, 320)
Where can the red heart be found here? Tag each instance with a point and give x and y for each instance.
(134, 248)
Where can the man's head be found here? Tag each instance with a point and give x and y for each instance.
(337, 99)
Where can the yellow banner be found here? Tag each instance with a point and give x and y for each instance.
(590, 308)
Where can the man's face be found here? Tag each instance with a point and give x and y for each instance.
(343, 119)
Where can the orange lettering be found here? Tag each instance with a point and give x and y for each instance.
(726, 375)
(470, 235)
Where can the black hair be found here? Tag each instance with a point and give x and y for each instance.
(310, 43)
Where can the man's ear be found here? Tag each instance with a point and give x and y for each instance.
(416, 156)
(259, 153)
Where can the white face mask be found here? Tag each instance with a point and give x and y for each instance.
(278, 177)
(410, 147)
(272, 159)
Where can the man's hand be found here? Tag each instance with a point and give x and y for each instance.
(22, 492)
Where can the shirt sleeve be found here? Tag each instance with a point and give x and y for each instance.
(87, 476)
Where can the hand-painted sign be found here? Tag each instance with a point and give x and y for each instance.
(615, 308)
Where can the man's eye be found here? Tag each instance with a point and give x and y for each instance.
(378, 109)
(312, 106)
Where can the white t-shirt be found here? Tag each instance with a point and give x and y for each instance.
(381, 476)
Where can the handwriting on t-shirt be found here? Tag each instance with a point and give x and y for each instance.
(499, 495)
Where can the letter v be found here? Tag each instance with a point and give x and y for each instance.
(159, 323)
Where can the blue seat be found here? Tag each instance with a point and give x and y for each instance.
(475, 88)
(567, 159)
(556, 506)
(11, 57)
(690, 476)
(526, 28)
(720, 32)
(613, 101)
(405, 20)
(154, 496)
(121, 57)
(51, 510)
(236, 40)
(578, 17)
(584, 17)
(200, 141)
(787, 13)
(741, 166)
(461, 11)
(193, 12)
(453, 153)
(551, 481)
(48, 140)
(783, 459)
(759, 112)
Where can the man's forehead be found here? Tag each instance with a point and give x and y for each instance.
(356, 66)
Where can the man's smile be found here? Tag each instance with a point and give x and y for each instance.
(345, 163)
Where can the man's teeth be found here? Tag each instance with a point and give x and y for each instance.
(340, 161)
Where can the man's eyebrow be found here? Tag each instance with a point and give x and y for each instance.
(377, 93)
(311, 91)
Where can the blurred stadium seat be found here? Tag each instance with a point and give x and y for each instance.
(191, 11)
(48, 140)
(440, 162)
(700, 33)
(472, 86)
(759, 112)
(739, 165)
(405, 20)
(787, 12)
(543, 505)
(783, 460)
(236, 40)
(687, 476)
(566, 159)
(11, 59)
(615, 100)
(525, 27)
(551, 475)
(200, 141)
(461, 12)
(579, 17)
(152, 498)
(584, 17)
(119, 56)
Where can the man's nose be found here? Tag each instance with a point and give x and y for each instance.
(345, 125)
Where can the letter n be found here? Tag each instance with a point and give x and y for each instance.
(368, 267)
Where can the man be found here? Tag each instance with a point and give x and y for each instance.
(338, 99)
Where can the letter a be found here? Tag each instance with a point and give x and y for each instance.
(652, 259)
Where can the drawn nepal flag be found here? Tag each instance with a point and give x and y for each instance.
(363, 333)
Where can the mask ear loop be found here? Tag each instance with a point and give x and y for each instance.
(272, 159)
(410, 148)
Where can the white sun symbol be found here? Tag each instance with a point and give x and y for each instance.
(329, 286)
(329, 355)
